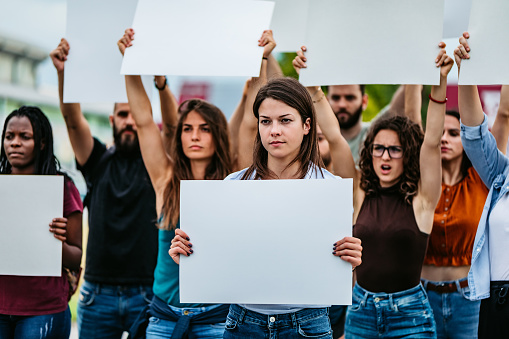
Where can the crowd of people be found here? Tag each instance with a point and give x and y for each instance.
(429, 230)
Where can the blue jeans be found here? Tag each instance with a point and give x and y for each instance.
(456, 316)
(106, 311)
(163, 329)
(48, 326)
(405, 314)
(306, 323)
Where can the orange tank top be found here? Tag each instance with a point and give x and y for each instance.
(455, 222)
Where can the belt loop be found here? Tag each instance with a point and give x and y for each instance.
(97, 288)
(458, 287)
(394, 306)
(424, 283)
(242, 314)
(364, 299)
(294, 320)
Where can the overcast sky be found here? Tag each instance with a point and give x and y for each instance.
(38, 22)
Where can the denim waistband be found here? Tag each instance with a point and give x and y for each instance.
(392, 299)
(499, 284)
(302, 315)
(116, 289)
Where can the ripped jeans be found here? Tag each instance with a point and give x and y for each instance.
(47, 326)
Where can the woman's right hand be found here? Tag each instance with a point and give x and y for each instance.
(461, 52)
(180, 245)
(126, 41)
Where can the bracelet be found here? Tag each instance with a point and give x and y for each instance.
(317, 90)
(437, 101)
(321, 98)
(264, 58)
(163, 86)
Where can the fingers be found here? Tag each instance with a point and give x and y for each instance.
(300, 60)
(349, 249)
(58, 227)
(126, 40)
(175, 254)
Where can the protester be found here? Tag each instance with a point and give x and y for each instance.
(122, 239)
(285, 148)
(488, 278)
(201, 151)
(393, 215)
(36, 307)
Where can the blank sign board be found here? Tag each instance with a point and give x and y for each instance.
(28, 203)
(373, 42)
(266, 241)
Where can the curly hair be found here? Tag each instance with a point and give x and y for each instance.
(411, 138)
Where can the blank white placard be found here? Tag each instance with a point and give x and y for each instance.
(198, 37)
(266, 241)
(92, 71)
(456, 15)
(28, 203)
(373, 42)
(289, 24)
(488, 30)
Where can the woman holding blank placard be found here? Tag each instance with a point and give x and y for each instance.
(36, 307)
(286, 147)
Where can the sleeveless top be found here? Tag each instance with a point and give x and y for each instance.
(393, 246)
(455, 222)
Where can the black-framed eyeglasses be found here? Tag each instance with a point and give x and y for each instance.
(395, 152)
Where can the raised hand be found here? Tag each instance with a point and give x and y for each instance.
(126, 40)
(267, 42)
(59, 55)
(300, 60)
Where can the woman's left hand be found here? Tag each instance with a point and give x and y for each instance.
(58, 227)
(349, 249)
(267, 42)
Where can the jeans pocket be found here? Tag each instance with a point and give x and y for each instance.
(318, 327)
(86, 297)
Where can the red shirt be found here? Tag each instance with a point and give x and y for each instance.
(22, 295)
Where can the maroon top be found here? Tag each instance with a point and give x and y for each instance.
(393, 247)
(21, 295)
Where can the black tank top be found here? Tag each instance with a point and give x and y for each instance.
(393, 246)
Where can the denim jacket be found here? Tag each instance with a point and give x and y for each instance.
(493, 168)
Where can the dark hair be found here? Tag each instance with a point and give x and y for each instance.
(45, 161)
(362, 88)
(219, 167)
(293, 94)
(411, 137)
(465, 161)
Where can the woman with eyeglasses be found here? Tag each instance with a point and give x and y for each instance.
(394, 204)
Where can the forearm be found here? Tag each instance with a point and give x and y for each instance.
(71, 256)
(273, 68)
(470, 105)
(169, 109)
(500, 129)
(436, 114)
(139, 102)
(413, 103)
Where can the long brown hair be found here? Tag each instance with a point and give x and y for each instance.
(218, 168)
(411, 138)
(293, 94)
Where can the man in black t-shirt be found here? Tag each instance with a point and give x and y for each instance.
(122, 241)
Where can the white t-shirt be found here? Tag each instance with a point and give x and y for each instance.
(498, 238)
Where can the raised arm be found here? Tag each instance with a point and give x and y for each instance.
(249, 125)
(413, 103)
(430, 159)
(169, 110)
(78, 128)
(153, 152)
(341, 155)
(234, 126)
(469, 102)
(500, 129)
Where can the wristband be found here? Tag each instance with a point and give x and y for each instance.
(163, 86)
(264, 58)
(437, 101)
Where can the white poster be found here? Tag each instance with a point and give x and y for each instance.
(92, 71)
(28, 203)
(266, 241)
(373, 42)
(456, 15)
(488, 30)
(198, 37)
(289, 24)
